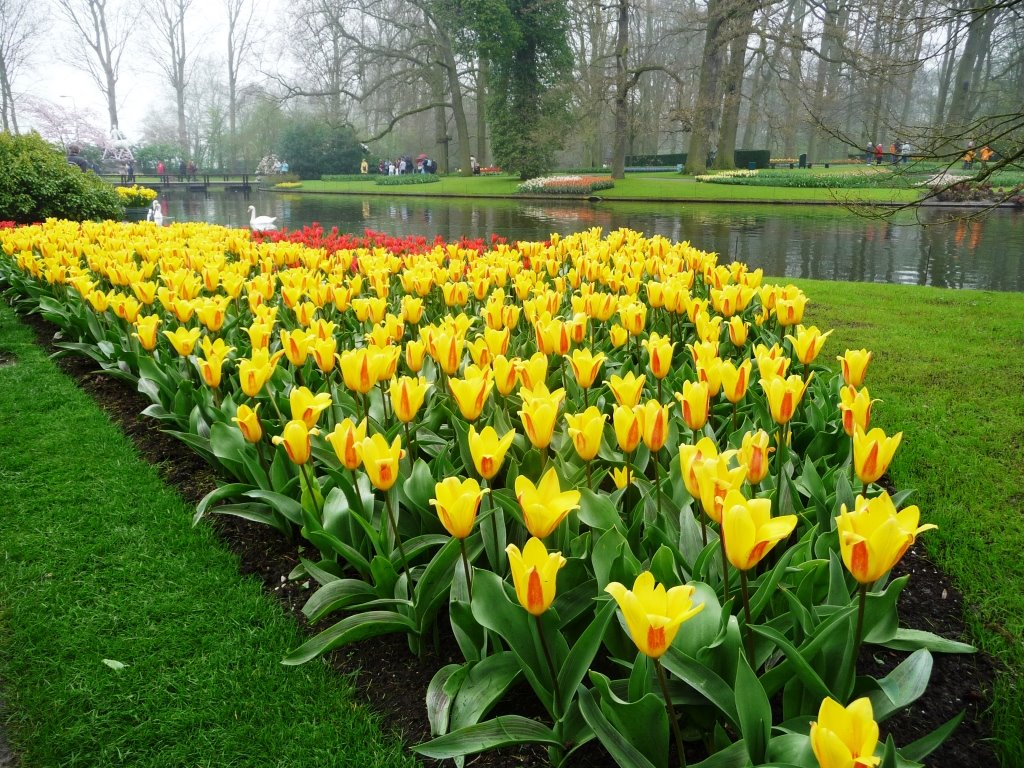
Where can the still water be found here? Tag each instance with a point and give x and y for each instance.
(825, 243)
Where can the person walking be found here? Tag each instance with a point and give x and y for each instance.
(878, 153)
(869, 153)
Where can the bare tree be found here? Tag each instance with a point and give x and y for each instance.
(240, 45)
(174, 58)
(102, 30)
(19, 27)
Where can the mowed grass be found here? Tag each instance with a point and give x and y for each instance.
(100, 562)
(949, 370)
(640, 186)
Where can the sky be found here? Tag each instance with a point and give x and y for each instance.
(140, 87)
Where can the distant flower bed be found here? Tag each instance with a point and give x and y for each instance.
(406, 178)
(6, 225)
(491, 170)
(865, 177)
(566, 185)
(288, 185)
(135, 196)
(348, 177)
(332, 241)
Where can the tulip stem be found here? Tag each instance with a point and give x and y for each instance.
(310, 484)
(703, 528)
(859, 637)
(748, 635)
(734, 405)
(671, 713)
(465, 565)
(557, 697)
(398, 537)
(853, 464)
(657, 477)
(725, 561)
(781, 456)
(408, 442)
(660, 401)
(586, 398)
(590, 481)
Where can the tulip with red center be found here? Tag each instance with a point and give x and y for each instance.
(539, 413)
(544, 505)
(754, 454)
(248, 421)
(783, 395)
(855, 407)
(845, 737)
(854, 365)
(472, 391)
(295, 439)
(695, 400)
(807, 343)
(306, 406)
(346, 439)
(627, 389)
(659, 351)
(872, 453)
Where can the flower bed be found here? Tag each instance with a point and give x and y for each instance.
(406, 179)
(135, 196)
(566, 185)
(286, 185)
(869, 176)
(490, 436)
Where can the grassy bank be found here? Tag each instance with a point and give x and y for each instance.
(948, 369)
(100, 568)
(101, 563)
(640, 186)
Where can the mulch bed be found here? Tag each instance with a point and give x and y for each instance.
(393, 682)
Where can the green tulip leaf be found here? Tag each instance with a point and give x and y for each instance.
(484, 685)
(753, 710)
(704, 680)
(227, 491)
(582, 653)
(285, 505)
(918, 750)
(499, 732)
(912, 639)
(419, 487)
(618, 745)
(257, 513)
(440, 695)
(903, 686)
(349, 630)
(793, 749)
(337, 595)
(597, 511)
(733, 756)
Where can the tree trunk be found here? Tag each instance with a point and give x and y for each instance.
(793, 81)
(621, 118)
(707, 108)
(962, 86)
(481, 110)
(741, 28)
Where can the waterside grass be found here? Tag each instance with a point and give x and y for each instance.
(101, 568)
(101, 564)
(639, 186)
(948, 369)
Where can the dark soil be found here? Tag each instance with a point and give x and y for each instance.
(392, 681)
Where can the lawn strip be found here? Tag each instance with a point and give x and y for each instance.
(100, 562)
(948, 369)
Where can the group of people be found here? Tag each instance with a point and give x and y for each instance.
(898, 151)
(186, 171)
(403, 165)
(984, 155)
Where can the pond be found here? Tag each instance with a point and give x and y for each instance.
(825, 243)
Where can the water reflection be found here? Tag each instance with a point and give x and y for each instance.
(786, 241)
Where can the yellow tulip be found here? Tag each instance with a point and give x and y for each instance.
(347, 440)
(585, 366)
(622, 477)
(446, 348)
(211, 366)
(534, 371)
(854, 364)
(324, 351)
(254, 372)
(488, 450)
(306, 406)
(654, 418)
(710, 372)
(790, 311)
(784, 396)
(716, 479)
(653, 613)
(618, 335)
(855, 408)
(540, 413)
(259, 334)
(703, 352)
(807, 343)
(412, 309)
(296, 345)
(553, 336)
(845, 737)
(872, 453)
(248, 421)
(690, 458)
(360, 368)
(627, 389)
(415, 352)
(874, 536)
(545, 505)
(183, 339)
(696, 402)
(738, 330)
(506, 374)
(659, 352)
(629, 426)
(471, 392)
(534, 574)
(480, 352)
(407, 395)
(749, 530)
(754, 454)
(295, 439)
(633, 317)
(735, 379)
(380, 460)
(585, 430)
(145, 331)
(457, 502)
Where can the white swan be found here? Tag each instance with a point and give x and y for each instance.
(155, 213)
(261, 223)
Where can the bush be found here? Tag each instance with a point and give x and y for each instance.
(313, 148)
(38, 183)
(678, 158)
(408, 178)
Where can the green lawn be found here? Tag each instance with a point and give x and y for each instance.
(100, 561)
(101, 567)
(639, 186)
